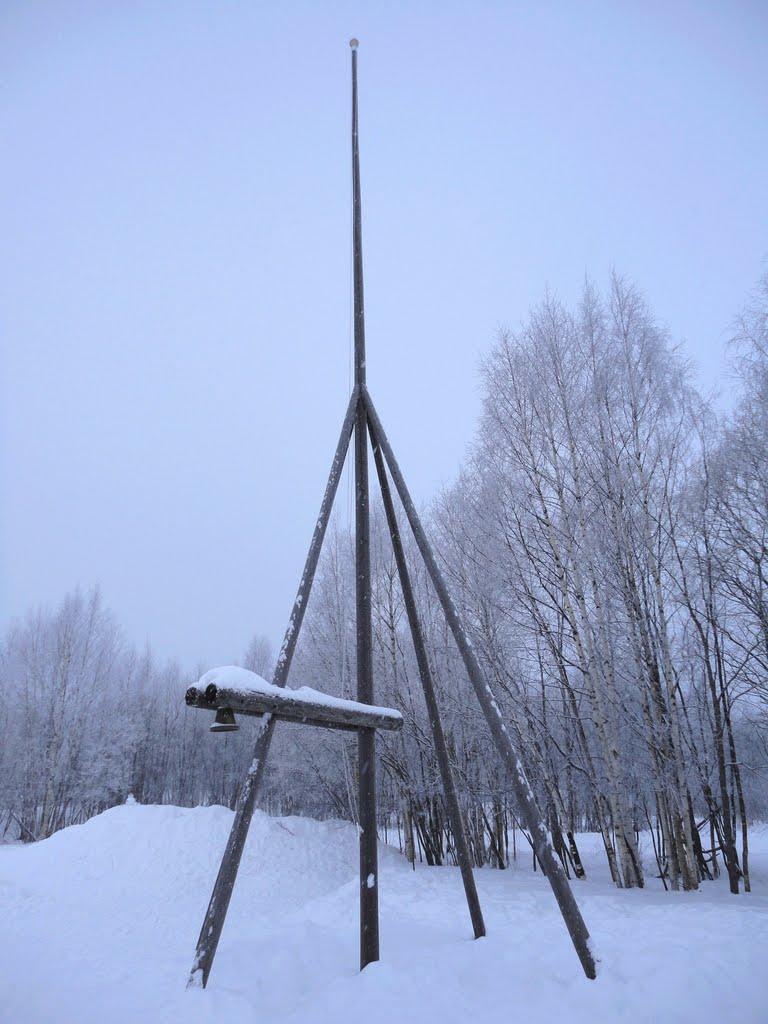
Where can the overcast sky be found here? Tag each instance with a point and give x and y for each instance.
(175, 257)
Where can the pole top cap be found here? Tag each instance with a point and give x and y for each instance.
(354, 43)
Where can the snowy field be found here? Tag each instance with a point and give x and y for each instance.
(99, 923)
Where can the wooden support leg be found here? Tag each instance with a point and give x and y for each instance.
(441, 747)
(246, 797)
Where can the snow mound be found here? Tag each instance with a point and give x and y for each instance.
(99, 923)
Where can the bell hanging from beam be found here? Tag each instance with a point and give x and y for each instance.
(225, 721)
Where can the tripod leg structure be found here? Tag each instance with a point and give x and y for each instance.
(523, 792)
(441, 748)
(246, 797)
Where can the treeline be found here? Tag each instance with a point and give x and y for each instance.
(87, 720)
(606, 541)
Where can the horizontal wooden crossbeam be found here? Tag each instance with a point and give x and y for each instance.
(307, 706)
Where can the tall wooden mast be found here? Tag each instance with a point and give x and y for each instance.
(369, 872)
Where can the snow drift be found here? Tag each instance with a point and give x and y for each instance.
(99, 923)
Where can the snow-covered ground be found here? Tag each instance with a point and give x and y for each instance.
(99, 923)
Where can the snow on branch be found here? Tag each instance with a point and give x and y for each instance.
(246, 693)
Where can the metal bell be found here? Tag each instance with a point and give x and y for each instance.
(225, 721)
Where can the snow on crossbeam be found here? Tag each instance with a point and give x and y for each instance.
(246, 693)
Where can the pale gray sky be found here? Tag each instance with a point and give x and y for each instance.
(175, 257)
